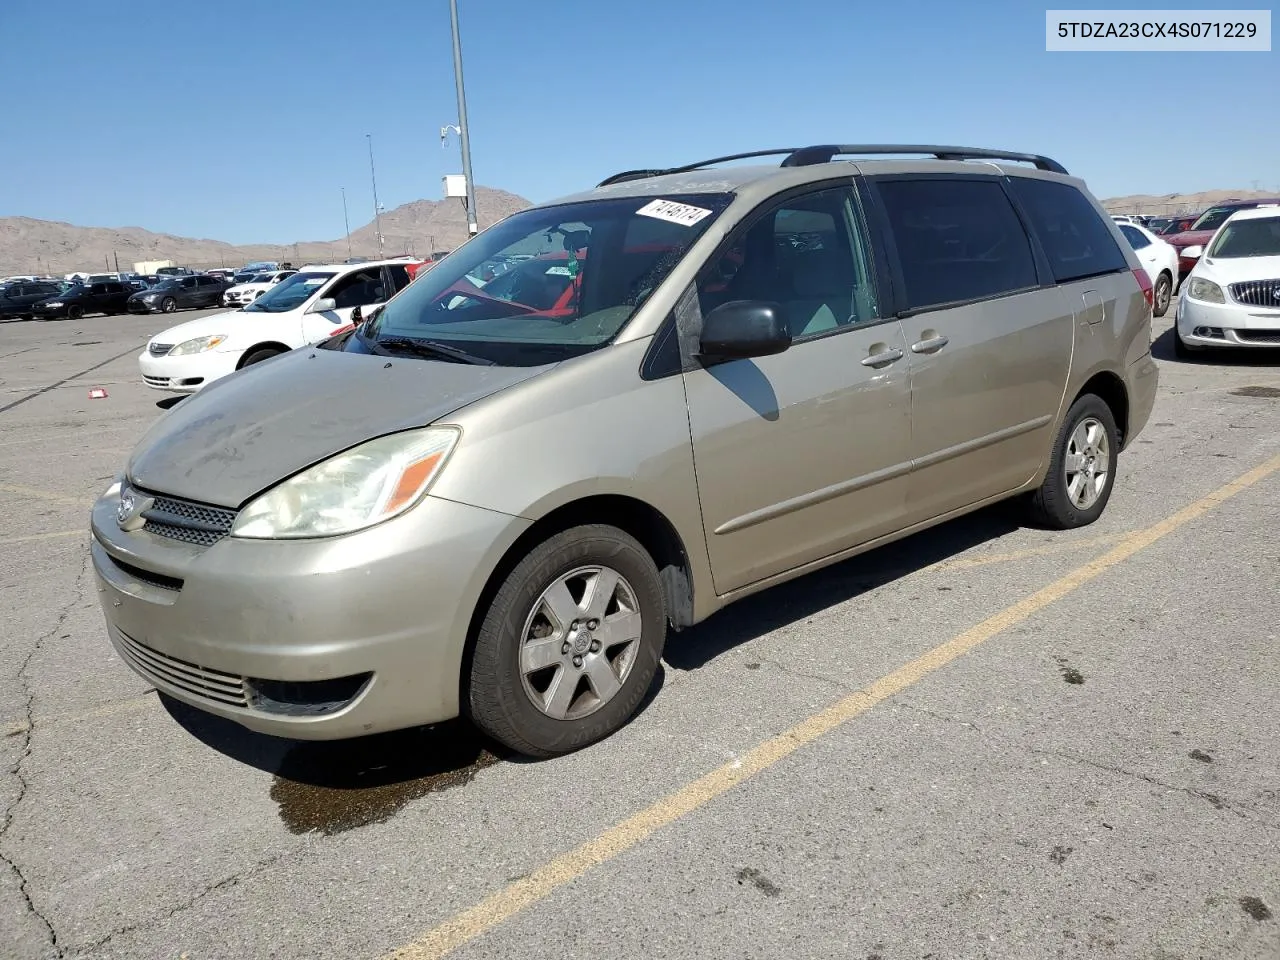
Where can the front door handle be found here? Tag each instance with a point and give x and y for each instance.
(931, 345)
(881, 359)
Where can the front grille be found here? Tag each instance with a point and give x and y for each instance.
(1257, 293)
(1259, 336)
(205, 683)
(156, 381)
(188, 522)
(159, 349)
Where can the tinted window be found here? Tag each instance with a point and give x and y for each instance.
(1075, 238)
(189, 282)
(399, 275)
(957, 240)
(1134, 236)
(358, 289)
(808, 253)
(98, 288)
(113, 287)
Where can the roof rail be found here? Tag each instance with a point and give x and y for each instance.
(807, 156)
(644, 174)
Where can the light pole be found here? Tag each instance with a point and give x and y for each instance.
(377, 210)
(346, 222)
(472, 225)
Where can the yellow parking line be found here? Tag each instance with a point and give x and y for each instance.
(510, 900)
(981, 560)
(10, 541)
(39, 494)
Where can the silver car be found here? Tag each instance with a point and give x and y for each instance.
(496, 497)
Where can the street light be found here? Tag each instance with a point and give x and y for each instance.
(472, 226)
(346, 222)
(377, 210)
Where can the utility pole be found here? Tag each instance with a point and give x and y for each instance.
(345, 222)
(117, 259)
(377, 210)
(463, 134)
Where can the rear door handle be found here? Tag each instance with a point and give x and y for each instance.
(881, 359)
(931, 345)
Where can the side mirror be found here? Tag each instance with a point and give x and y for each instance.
(323, 305)
(1192, 252)
(743, 328)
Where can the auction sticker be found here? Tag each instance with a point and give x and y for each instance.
(672, 212)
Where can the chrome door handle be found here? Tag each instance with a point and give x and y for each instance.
(883, 358)
(932, 345)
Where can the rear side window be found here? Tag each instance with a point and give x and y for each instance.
(1075, 238)
(957, 240)
(1136, 238)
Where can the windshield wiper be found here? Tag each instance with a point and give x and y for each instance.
(430, 348)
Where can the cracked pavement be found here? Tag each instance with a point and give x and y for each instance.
(1101, 779)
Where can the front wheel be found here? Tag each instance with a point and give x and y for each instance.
(168, 305)
(570, 643)
(1163, 294)
(1082, 467)
(75, 312)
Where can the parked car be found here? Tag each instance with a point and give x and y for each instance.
(251, 270)
(83, 298)
(1193, 239)
(175, 271)
(17, 300)
(311, 305)
(1232, 296)
(1160, 261)
(254, 287)
(179, 293)
(489, 510)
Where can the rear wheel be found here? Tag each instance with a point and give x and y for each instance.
(1163, 294)
(1082, 468)
(265, 353)
(75, 312)
(570, 643)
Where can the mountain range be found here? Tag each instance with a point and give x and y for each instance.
(46, 246)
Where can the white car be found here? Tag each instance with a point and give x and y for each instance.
(312, 305)
(256, 286)
(1159, 259)
(1232, 296)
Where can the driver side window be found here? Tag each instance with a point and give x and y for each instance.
(359, 289)
(809, 253)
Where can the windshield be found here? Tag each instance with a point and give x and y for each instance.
(260, 278)
(73, 291)
(1213, 218)
(290, 294)
(1247, 238)
(168, 285)
(549, 283)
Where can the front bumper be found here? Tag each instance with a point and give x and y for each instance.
(47, 313)
(186, 374)
(142, 306)
(1230, 324)
(391, 605)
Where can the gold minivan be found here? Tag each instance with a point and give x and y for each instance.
(611, 415)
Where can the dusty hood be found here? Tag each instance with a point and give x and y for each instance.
(245, 432)
(1190, 238)
(1239, 269)
(224, 323)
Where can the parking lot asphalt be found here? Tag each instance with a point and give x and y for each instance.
(985, 741)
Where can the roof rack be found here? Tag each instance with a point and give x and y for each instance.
(825, 153)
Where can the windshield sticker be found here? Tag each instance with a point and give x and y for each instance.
(559, 272)
(672, 212)
(313, 281)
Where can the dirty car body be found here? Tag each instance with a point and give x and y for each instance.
(495, 500)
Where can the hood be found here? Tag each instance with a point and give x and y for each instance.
(243, 287)
(200, 327)
(247, 431)
(1227, 270)
(1190, 238)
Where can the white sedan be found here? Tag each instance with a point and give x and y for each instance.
(1158, 258)
(1232, 296)
(254, 287)
(312, 305)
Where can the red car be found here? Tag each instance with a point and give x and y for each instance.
(1201, 232)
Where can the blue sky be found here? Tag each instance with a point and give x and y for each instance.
(240, 121)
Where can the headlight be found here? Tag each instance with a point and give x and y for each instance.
(150, 296)
(53, 303)
(356, 489)
(1206, 290)
(198, 345)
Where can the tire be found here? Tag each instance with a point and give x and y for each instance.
(1062, 503)
(518, 707)
(265, 353)
(1163, 294)
(168, 305)
(75, 312)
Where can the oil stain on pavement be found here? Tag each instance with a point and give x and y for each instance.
(1255, 908)
(333, 787)
(1069, 673)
